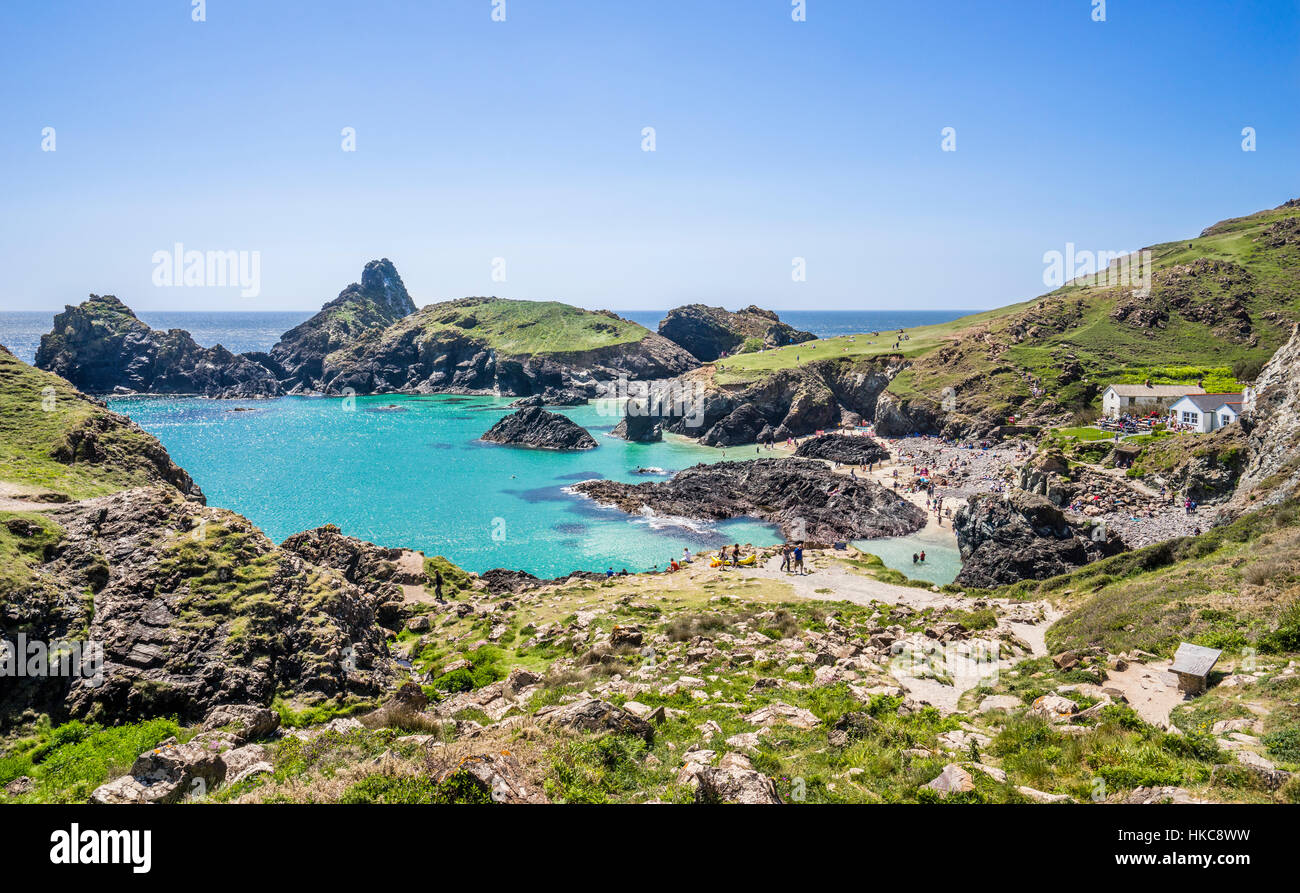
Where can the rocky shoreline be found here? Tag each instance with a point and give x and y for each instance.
(803, 497)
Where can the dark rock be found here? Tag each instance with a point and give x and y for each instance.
(804, 497)
(101, 347)
(1022, 536)
(709, 332)
(535, 427)
(844, 448)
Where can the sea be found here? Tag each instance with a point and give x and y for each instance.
(408, 471)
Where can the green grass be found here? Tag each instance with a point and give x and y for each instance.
(56, 444)
(68, 762)
(523, 328)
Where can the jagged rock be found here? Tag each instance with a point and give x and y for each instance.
(808, 500)
(733, 780)
(1054, 707)
(1022, 536)
(709, 332)
(168, 649)
(1161, 795)
(101, 347)
(535, 427)
(247, 722)
(847, 449)
(1042, 796)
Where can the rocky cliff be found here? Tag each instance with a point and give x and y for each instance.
(360, 313)
(498, 346)
(709, 332)
(1022, 536)
(805, 498)
(1272, 426)
(102, 347)
(787, 403)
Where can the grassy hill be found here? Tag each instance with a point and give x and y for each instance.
(524, 328)
(1220, 302)
(57, 444)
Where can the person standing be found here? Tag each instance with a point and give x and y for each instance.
(798, 559)
(437, 585)
(785, 557)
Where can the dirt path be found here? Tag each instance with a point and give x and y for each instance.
(411, 565)
(1152, 691)
(22, 498)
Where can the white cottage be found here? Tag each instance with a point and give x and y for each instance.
(1140, 399)
(1206, 412)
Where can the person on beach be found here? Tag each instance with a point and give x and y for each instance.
(798, 559)
(735, 555)
(686, 555)
(785, 557)
(674, 566)
(609, 573)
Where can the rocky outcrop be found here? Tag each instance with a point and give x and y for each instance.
(847, 449)
(787, 403)
(1022, 536)
(807, 500)
(552, 397)
(535, 427)
(375, 569)
(1272, 426)
(101, 347)
(360, 313)
(710, 332)
(490, 346)
(193, 607)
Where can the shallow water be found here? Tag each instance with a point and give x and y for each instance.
(410, 472)
(942, 560)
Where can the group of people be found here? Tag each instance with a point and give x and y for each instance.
(792, 559)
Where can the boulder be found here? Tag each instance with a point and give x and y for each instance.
(536, 428)
(952, 780)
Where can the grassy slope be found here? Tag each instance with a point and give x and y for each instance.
(525, 328)
(38, 412)
(984, 357)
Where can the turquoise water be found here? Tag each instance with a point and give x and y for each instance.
(942, 559)
(409, 472)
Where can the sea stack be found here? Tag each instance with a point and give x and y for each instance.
(541, 430)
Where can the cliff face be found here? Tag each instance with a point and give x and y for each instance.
(358, 315)
(497, 346)
(709, 332)
(1021, 536)
(1272, 426)
(101, 347)
(787, 403)
(103, 539)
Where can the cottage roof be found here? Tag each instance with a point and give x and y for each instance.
(1154, 390)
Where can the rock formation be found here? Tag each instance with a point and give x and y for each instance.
(535, 427)
(807, 500)
(848, 449)
(1022, 536)
(358, 315)
(101, 347)
(709, 332)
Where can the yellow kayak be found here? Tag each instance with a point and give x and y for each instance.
(748, 561)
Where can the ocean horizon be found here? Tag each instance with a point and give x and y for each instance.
(241, 331)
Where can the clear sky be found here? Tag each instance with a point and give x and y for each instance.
(522, 140)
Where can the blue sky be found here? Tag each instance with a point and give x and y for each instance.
(522, 140)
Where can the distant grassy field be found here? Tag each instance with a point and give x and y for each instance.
(520, 328)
